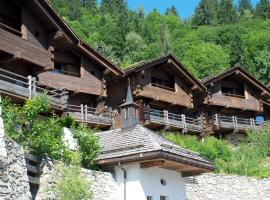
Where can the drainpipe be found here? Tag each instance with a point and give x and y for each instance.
(125, 180)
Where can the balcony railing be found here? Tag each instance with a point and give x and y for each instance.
(86, 114)
(27, 87)
(173, 120)
(234, 122)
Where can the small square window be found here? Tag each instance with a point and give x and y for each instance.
(149, 198)
(163, 198)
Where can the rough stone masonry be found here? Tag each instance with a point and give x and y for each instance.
(217, 187)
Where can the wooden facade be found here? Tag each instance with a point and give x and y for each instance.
(234, 101)
(40, 53)
(164, 90)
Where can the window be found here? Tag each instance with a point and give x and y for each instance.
(136, 113)
(126, 113)
(161, 83)
(149, 198)
(163, 198)
(236, 92)
(163, 182)
(67, 69)
(10, 16)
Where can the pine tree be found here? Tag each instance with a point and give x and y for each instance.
(74, 9)
(227, 13)
(172, 11)
(205, 13)
(89, 4)
(263, 9)
(244, 5)
(237, 50)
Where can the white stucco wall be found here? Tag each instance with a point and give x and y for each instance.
(146, 182)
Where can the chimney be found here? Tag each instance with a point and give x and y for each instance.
(129, 111)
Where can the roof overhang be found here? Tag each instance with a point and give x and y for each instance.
(172, 60)
(186, 166)
(45, 9)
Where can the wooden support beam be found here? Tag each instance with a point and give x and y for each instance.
(154, 163)
(58, 35)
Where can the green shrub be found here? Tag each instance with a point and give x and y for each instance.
(210, 148)
(88, 144)
(34, 127)
(248, 159)
(260, 138)
(71, 184)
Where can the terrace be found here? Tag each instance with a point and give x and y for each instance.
(157, 119)
(21, 87)
(91, 116)
(233, 123)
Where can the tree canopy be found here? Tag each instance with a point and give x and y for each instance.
(222, 33)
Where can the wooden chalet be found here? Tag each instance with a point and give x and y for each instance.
(40, 53)
(236, 101)
(164, 91)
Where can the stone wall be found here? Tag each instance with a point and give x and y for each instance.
(14, 180)
(103, 184)
(217, 187)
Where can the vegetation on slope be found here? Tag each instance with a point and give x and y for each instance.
(250, 158)
(216, 37)
(33, 126)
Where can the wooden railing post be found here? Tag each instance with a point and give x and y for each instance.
(184, 123)
(253, 123)
(216, 120)
(166, 117)
(29, 87)
(0, 105)
(82, 112)
(34, 86)
(235, 125)
(86, 112)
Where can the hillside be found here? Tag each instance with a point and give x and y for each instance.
(207, 43)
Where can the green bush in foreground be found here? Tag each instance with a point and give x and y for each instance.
(33, 126)
(71, 184)
(248, 159)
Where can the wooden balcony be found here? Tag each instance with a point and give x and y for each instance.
(12, 43)
(22, 87)
(157, 119)
(233, 123)
(91, 116)
(236, 101)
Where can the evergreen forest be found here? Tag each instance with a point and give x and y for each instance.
(219, 35)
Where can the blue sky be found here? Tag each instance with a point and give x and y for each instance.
(185, 7)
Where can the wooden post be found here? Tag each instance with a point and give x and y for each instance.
(251, 123)
(82, 112)
(166, 117)
(29, 87)
(86, 112)
(235, 122)
(216, 120)
(184, 123)
(0, 105)
(34, 86)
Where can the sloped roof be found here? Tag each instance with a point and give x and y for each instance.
(121, 143)
(241, 72)
(45, 7)
(163, 59)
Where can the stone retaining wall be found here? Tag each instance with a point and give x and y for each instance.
(103, 184)
(217, 187)
(14, 181)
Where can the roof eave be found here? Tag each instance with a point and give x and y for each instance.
(140, 157)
